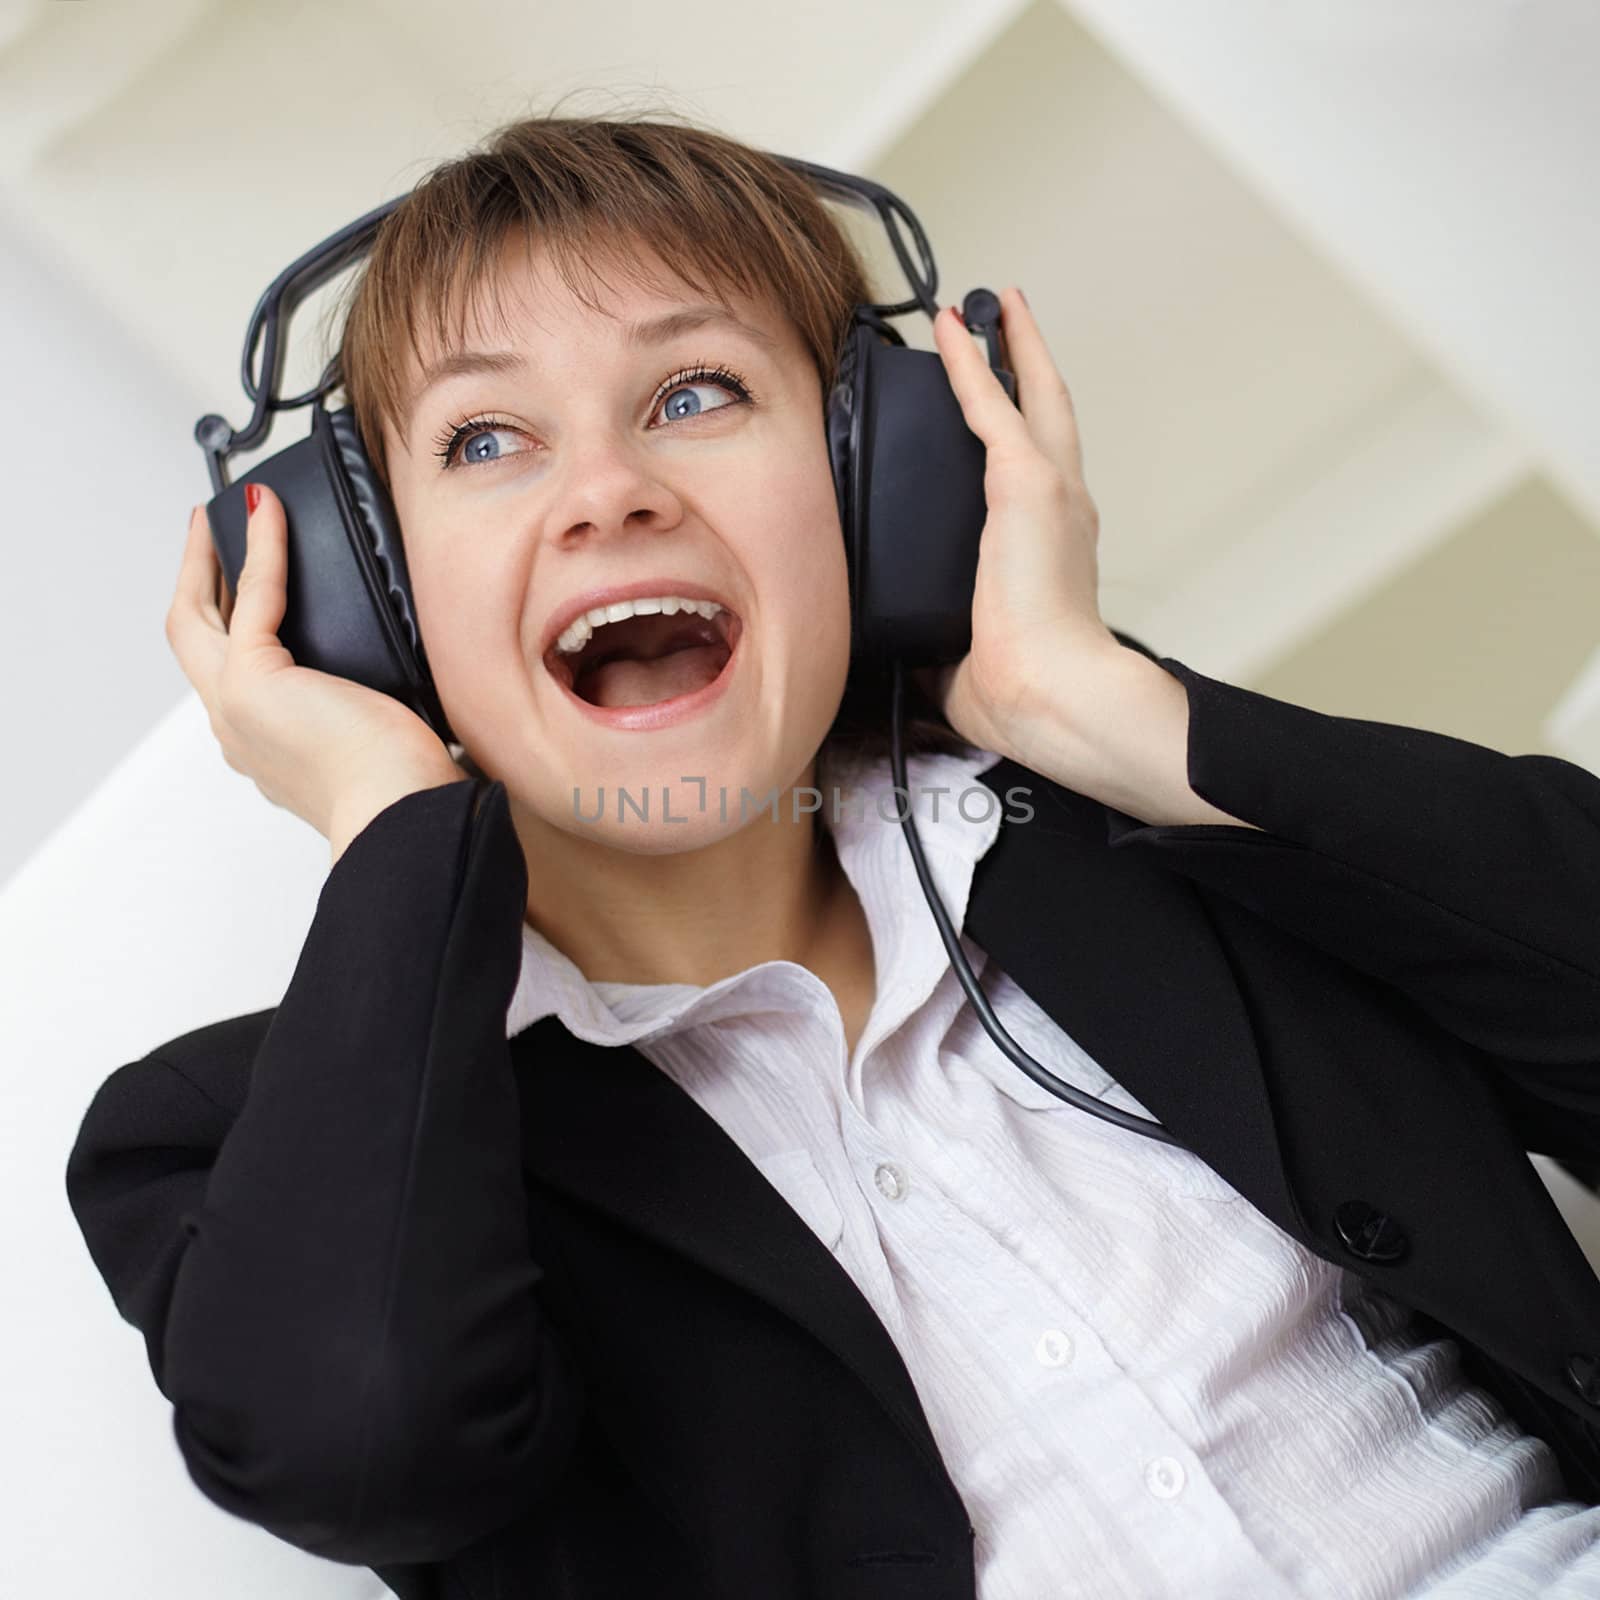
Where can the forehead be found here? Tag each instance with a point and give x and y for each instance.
(525, 292)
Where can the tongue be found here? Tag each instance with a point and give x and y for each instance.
(630, 682)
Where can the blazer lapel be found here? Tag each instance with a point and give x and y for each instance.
(610, 1129)
(1122, 955)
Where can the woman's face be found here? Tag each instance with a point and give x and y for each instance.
(655, 446)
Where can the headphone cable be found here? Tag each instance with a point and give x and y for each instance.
(980, 1001)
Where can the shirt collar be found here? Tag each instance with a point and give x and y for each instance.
(957, 820)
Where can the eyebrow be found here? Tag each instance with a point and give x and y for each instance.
(653, 330)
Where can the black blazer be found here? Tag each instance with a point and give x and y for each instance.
(501, 1318)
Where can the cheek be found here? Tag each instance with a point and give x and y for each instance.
(466, 602)
(811, 578)
(809, 559)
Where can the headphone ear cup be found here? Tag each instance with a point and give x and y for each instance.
(846, 405)
(910, 474)
(369, 516)
(348, 607)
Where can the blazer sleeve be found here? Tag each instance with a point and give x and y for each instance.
(1467, 879)
(316, 1215)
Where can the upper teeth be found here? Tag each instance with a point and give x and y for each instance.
(578, 634)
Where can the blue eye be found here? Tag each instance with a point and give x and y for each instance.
(677, 397)
(685, 403)
(474, 440)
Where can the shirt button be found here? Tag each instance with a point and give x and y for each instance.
(1054, 1348)
(890, 1180)
(1163, 1477)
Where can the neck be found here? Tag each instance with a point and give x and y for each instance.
(691, 916)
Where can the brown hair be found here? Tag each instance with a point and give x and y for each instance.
(723, 213)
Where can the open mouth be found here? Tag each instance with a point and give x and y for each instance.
(645, 659)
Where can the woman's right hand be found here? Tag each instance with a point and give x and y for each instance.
(330, 750)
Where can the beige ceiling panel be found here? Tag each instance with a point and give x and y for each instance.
(1477, 637)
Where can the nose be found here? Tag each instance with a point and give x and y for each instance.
(607, 485)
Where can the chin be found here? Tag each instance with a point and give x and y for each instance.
(655, 838)
(664, 804)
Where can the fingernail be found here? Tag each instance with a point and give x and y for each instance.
(252, 496)
(955, 311)
(1022, 297)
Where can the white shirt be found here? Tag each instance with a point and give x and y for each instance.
(1139, 1384)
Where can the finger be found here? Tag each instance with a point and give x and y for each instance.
(224, 595)
(198, 571)
(259, 604)
(195, 629)
(1042, 392)
(985, 404)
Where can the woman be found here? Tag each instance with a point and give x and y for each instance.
(524, 1318)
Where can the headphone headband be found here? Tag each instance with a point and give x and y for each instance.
(308, 272)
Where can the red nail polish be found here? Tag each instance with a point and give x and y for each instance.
(252, 496)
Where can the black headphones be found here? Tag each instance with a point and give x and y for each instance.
(907, 470)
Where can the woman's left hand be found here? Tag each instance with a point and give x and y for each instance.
(1035, 606)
